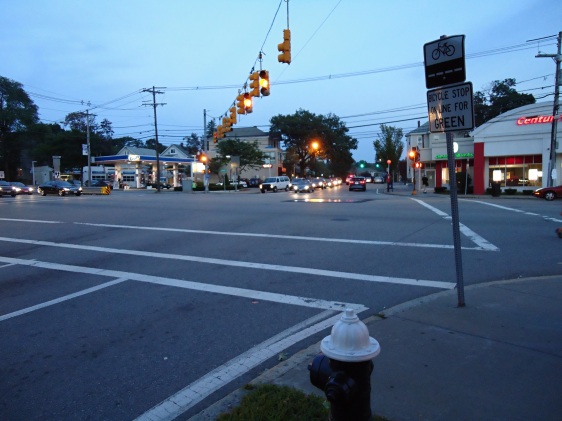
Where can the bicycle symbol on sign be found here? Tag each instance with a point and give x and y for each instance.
(443, 48)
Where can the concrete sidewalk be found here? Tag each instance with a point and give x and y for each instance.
(497, 358)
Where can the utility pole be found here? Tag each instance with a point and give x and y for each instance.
(88, 142)
(552, 170)
(205, 145)
(89, 180)
(154, 104)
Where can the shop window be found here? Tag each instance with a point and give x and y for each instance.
(516, 175)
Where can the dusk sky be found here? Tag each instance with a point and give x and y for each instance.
(361, 60)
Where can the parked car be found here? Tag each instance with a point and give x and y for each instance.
(301, 185)
(358, 183)
(368, 179)
(62, 188)
(548, 193)
(274, 184)
(378, 179)
(7, 188)
(22, 188)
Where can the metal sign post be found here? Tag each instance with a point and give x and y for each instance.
(450, 109)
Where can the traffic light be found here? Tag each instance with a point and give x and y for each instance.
(255, 84)
(285, 47)
(203, 157)
(232, 115)
(361, 165)
(264, 82)
(412, 153)
(240, 104)
(215, 137)
(248, 104)
(418, 164)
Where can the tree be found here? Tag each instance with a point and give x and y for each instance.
(192, 144)
(389, 145)
(17, 114)
(249, 153)
(300, 131)
(498, 98)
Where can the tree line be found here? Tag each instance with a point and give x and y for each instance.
(315, 143)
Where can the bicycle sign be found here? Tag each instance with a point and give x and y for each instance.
(444, 61)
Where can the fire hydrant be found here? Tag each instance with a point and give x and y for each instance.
(343, 368)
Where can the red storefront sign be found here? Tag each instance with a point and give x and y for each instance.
(539, 119)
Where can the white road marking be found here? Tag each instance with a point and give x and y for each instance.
(475, 238)
(194, 393)
(236, 263)
(60, 300)
(283, 237)
(547, 218)
(38, 221)
(197, 286)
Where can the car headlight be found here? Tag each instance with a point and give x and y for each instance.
(66, 189)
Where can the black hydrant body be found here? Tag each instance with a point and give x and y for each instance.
(343, 369)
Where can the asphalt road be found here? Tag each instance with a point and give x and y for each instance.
(145, 305)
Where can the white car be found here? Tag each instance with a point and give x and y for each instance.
(274, 184)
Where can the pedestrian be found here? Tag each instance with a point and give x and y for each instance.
(389, 185)
(425, 183)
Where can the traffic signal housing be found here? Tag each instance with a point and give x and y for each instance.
(414, 156)
(248, 103)
(255, 84)
(264, 82)
(285, 47)
(241, 109)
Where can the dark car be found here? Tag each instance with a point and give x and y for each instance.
(300, 185)
(358, 183)
(254, 182)
(548, 193)
(318, 182)
(59, 187)
(22, 188)
(7, 188)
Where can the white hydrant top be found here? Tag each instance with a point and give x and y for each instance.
(350, 340)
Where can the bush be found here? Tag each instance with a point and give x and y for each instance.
(441, 190)
(510, 192)
(527, 192)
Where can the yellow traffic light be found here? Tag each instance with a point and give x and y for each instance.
(264, 82)
(232, 115)
(215, 137)
(285, 47)
(248, 104)
(412, 154)
(255, 84)
(240, 104)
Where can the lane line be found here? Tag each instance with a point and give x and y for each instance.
(471, 235)
(283, 237)
(242, 264)
(547, 218)
(38, 221)
(60, 299)
(197, 286)
(194, 393)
